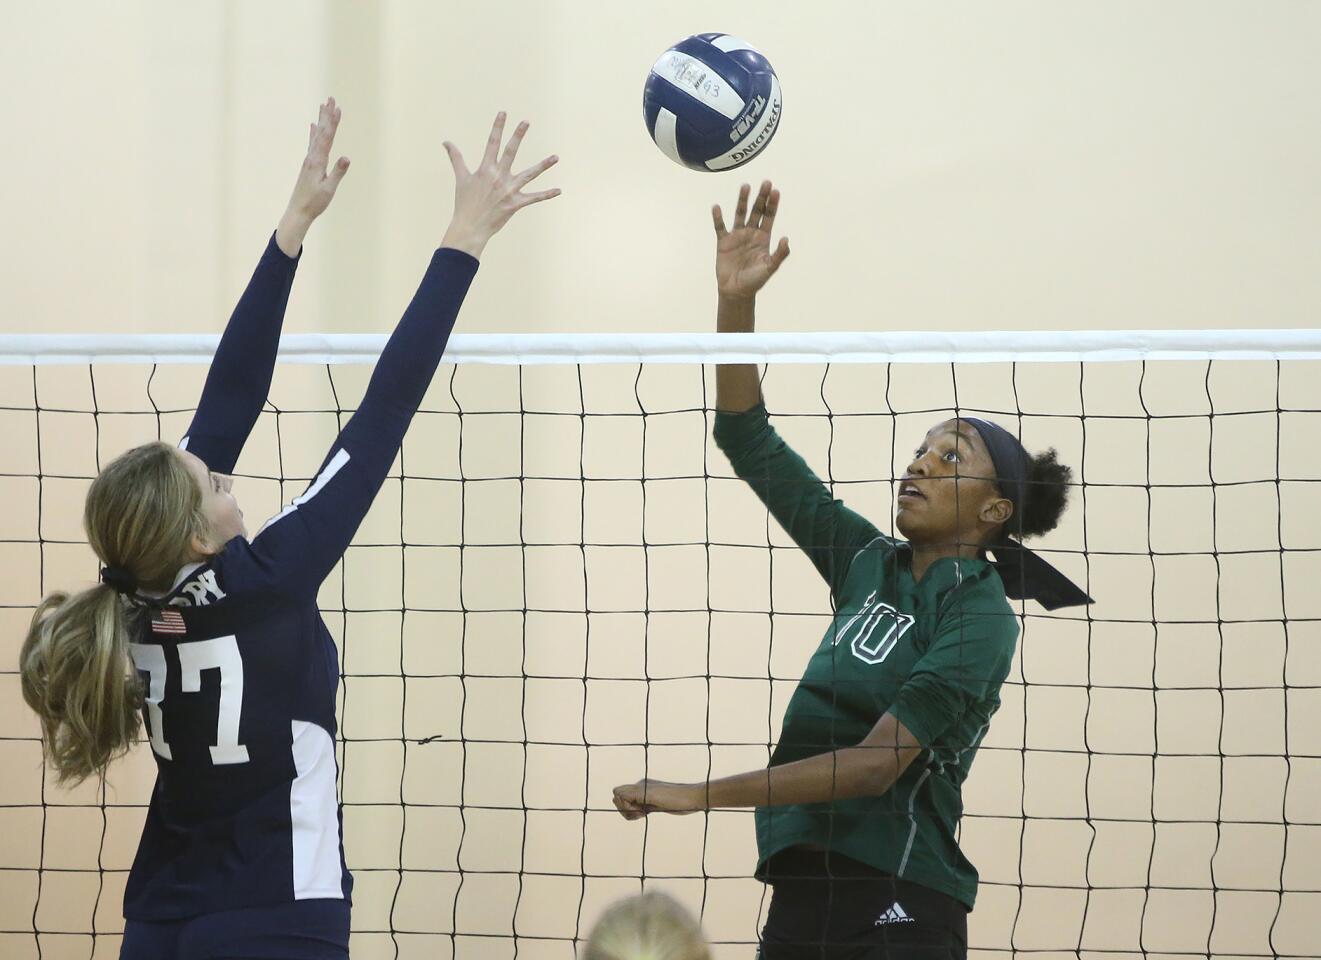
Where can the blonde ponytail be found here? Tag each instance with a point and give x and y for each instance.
(650, 926)
(79, 678)
(76, 670)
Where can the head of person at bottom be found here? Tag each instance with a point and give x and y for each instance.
(649, 926)
(150, 512)
(952, 497)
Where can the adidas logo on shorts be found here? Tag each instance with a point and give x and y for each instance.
(895, 914)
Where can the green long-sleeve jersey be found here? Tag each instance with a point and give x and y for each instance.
(933, 653)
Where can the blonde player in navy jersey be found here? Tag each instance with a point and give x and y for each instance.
(216, 637)
(858, 811)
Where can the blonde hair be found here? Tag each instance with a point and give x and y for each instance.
(141, 514)
(649, 926)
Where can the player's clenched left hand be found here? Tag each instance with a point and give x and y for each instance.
(636, 800)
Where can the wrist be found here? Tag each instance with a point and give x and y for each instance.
(466, 239)
(291, 231)
(698, 796)
(736, 314)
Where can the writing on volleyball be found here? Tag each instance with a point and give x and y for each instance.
(762, 137)
(876, 630)
(695, 74)
(745, 122)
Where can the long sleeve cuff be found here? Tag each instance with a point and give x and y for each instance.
(273, 252)
(459, 257)
(733, 430)
(741, 435)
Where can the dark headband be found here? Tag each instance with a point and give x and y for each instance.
(1026, 576)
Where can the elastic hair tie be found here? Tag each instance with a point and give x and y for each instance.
(119, 580)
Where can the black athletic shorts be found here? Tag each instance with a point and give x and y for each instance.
(828, 907)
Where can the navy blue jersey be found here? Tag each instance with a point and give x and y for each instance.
(240, 669)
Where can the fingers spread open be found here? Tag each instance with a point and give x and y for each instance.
(337, 173)
(493, 141)
(780, 255)
(536, 170)
(741, 211)
(527, 199)
(772, 207)
(759, 206)
(718, 219)
(511, 148)
(456, 160)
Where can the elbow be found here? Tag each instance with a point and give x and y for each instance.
(882, 768)
(877, 775)
(878, 779)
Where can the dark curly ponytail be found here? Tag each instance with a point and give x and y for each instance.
(1048, 483)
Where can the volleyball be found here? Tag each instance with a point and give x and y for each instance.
(712, 102)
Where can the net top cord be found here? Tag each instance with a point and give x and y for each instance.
(1022, 346)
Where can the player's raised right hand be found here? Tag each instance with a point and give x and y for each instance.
(316, 185)
(485, 198)
(744, 260)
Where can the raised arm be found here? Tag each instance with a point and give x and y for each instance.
(305, 540)
(744, 262)
(240, 374)
(827, 531)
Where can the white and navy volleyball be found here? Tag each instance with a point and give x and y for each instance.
(712, 102)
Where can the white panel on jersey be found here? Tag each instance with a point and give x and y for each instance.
(335, 465)
(665, 136)
(183, 444)
(757, 137)
(728, 44)
(218, 653)
(314, 815)
(700, 82)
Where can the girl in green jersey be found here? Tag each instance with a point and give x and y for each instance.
(858, 811)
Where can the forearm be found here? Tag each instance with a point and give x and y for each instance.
(827, 531)
(241, 370)
(738, 385)
(844, 774)
(319, 531)
(417, 344)
(867, 770)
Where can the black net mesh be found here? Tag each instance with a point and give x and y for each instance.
(562, 588)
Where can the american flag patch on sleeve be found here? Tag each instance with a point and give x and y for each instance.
(167, 622)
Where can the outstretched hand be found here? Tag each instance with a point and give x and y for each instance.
(744, 260)
(316, 184)
(485, 198)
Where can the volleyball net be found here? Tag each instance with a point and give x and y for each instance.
(562, 587)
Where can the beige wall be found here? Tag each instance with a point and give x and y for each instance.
(958, 166)
(1022, 165)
